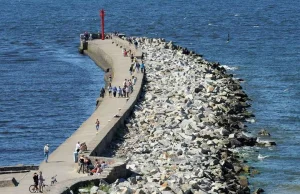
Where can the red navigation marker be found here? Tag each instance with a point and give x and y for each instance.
(102, 22)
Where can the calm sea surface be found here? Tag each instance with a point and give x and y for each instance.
(47, 89)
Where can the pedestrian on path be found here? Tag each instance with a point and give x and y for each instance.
(97, 125)
(130, 70)
(133, 80)
(36, 180)
(131, 57)
(41, 181)
(127, 92)
(46, 152)
(81, 164)
(109, 88)
(142, 67)
(102, 92)
(115, 89)
(119, 92)
(137, 67)
(77, 148)
(136, 44)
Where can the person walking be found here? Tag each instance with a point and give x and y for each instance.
(136, 44)
(130, 70)
(131, 57)
(119, 92)
(109, 88)
(102, 92)
(137, 67)
(133, 80)
(142, 67)
(127, 92)
(115, 89)
(97, 125)
(46, 152)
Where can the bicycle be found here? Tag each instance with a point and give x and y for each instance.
(34, 189)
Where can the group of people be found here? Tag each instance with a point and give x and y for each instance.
(123, 91)
(86, 165)
(38, 180)
(136, 67)
(126, 52)
(133, 41)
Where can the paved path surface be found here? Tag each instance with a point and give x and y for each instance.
(61, 162)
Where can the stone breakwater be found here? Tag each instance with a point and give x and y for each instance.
(190, 115)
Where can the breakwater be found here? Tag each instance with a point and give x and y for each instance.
(182, 134)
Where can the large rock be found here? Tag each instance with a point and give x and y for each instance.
(94, 190)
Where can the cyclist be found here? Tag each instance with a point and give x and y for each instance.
(35, 180)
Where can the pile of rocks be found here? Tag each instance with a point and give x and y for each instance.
(190, 114)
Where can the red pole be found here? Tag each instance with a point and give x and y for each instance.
(102, 22)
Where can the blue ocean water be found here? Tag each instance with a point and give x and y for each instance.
(48, 89)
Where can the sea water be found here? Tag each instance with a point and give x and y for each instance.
(48, 89)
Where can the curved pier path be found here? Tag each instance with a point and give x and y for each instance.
(61, 161)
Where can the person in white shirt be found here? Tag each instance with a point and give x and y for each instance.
(77, 148)
(103, 165)
(46, 152)
(133, 80)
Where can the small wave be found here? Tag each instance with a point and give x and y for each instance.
(250, 120)
(229, 68)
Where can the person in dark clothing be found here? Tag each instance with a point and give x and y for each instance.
(36, 180)
(102, 92)
(131, 57)
(115, 91)
(135, 44)
(81, 163)
(88, 164)
(142, 57)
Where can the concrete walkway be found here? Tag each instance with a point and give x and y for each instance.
(61, 161)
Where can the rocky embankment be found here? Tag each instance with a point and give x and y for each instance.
(179, 138)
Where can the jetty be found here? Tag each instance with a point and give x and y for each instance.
(111, 112)
(182, 137)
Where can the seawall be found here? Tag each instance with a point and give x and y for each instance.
(105, 61)
(112, 112)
